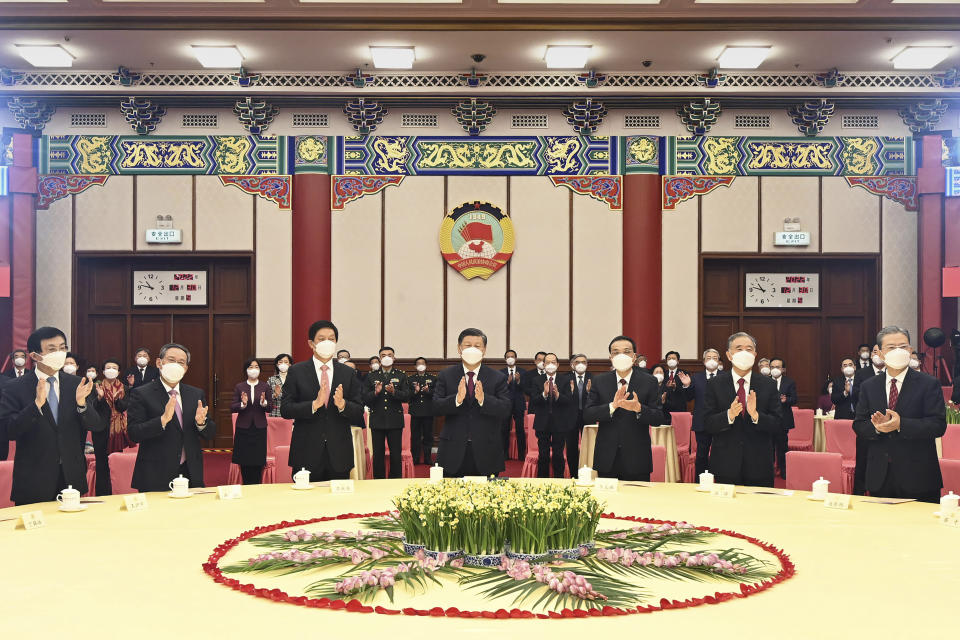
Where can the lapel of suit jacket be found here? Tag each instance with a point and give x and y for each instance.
(160, 392)
(907, 390)
(48, 414)
(337, 378)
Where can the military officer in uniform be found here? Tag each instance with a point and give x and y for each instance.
(422, 384)
(384, 391)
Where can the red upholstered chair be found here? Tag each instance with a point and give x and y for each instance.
(805, 467)
(121, 472)
(513, 451)
(406, 408)
(279, 433)
(659, 473)
(6, 482)
(281, 456)
(951, 442)
(91, 475)
(841, 439)
(529, 469)
(682, 424)
(950, 469)
(947, 392)
(406, 457)
(800, 438)
(12, 451)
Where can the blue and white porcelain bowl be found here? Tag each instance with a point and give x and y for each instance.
(451, 555)
(411, 549)
(483, 560)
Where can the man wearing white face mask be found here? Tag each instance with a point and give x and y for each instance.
(385, 391)
(901, 414)
(19, 360)
(552, 419)
(787, 388)
(323, 398)
(474, 400)
(421, 412)
(676, 384)
(167, 418)
(711, 365)
(876, 368)
(842, 396)
(743, 416)
(515, 381)
(580, 382)
(142, 371)
(625, 403)
(45, 411)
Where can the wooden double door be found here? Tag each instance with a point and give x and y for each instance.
(219, 335)
(812, 342)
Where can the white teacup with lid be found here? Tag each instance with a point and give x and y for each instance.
(69, 498)
(302, 478)
(180, 486)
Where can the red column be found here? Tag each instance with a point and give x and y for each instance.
(642, 218)
(311, 256)
(23, 187)
(930, 187)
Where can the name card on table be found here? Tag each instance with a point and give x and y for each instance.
(477, 479)
(952, 519)
(32, 520)
(135, 502)
(341, 486)
(723, 490)
(230, 491)
(605, 484)
(837, 501)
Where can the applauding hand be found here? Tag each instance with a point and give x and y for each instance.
(462, 391)
(201, 416)
(631, 403)
(338, 398)
(83, 390)
(478, 392)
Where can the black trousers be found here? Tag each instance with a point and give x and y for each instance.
(745, 481)
(860, 471)
(421, 439)
(251, 474)
(100, 442)
(703, 452)
(392, 438)
(515, 419)
(468, 467)
(780, 447)
(621, 471)
(322, 470)
(550, 453)
(891, 489)
(571, 443)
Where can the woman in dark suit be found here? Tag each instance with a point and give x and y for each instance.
(251, 403)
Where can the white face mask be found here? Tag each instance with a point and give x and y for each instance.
(878, 361)
(325, 349)
(765, 371)
(897, 358)
(109, 374)
(374, 366)
(672, 363)
(142, 362)
(642, 364)
(551, 368)
(386, 361)
(720, 367)
(283, 366)
(776, 372)
(622, 362)
(421, 368)
(658, 376)
(471, 355)
(710, 365)
(92, 375)
(19, 362)
(914, 363)
(865, 355)
(580, 368)
(540, 365)
(172, 372)
(342, 360)
(743, 360)
(253, 374)
(55, 360)
(511, 362)
(70, 368)
(848, 371)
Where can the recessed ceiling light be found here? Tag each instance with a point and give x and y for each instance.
(742, 57)
(392, 57)
(920, 57)
(215, 57)
(567, 56)
(45, 55)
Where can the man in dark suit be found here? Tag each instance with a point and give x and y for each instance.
(743, 415)
(624, 403)
(421, 412)
(862, 375)
(580, 382)
(863, 359)
(18, 361)
(552, 419)
(515, 376)
(142, 372)
(385, 391)
(323, 398)
(842, 396)
(168, 418)
(676, 384)
(474, 400)
(955, 395)
(534, 378)
(45, 411)
(901, 414)
(711, 364)
(787, 388)
(4, 442)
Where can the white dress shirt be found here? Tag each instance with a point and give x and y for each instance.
(329, 364)
(56, 384)
(900, 378)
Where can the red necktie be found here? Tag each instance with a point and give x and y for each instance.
(469, 384)
(323, 386)
(742, 396)
(671, 375)
(892, 400)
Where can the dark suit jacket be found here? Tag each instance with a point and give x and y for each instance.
(386, 409)
(625, 429)
(516, 390)
(955, 396)
(699, 386)
(253, 414)
(44, 446)
(859, 377)
(326, 427)
(471, 422)
(421, 402)
(150, 374)
(910, 454)
(742, 450)
(11, 373)
(845, 406)
(4, 442)
(787, 388)
(531, 380)
(576, 405)
(554, 415)
(158, 459)
(678, 396)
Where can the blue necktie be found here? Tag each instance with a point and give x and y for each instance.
(52, 400)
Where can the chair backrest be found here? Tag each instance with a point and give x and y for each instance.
(12, 451)
(279, 432)
(528, 421)
(121, 472)
(405, 439)
(6, 482)
(841, 438)
(951, 443)
(947, 393)
(659, 473)
(805, 467)
(802, 425)
(531, 435)
(281, 457)
(406, 408)
(682, 424)
(950, 469)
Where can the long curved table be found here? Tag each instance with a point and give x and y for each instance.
(873, 571)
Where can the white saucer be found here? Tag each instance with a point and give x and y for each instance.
(79, 507)
(704, 489)
(813, 497)
(173, 495)
(299, 488)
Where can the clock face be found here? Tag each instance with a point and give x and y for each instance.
(761, 290)
(149, 287)
(170, 288)
(782, 290)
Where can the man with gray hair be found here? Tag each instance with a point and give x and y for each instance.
(900, 414)
(701, 379)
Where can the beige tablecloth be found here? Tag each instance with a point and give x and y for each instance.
(658, 435)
